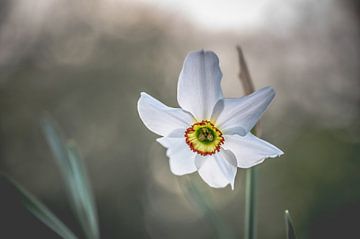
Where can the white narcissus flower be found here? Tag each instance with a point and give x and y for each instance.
(208, 134)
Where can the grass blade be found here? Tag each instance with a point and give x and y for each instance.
(290, 230)
(76, 179)
(39, 210)
(84, 199)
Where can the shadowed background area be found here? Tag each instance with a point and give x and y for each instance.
(85, 64)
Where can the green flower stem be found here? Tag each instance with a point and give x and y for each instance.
(250, 181)
(250, 201)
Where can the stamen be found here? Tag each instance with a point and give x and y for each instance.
(204, 138)
(201, 137)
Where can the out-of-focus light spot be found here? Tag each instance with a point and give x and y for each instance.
(214, 15)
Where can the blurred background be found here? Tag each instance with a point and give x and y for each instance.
(85, 63)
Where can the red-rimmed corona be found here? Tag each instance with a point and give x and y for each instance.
(204, 138)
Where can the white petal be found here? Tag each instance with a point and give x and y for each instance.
(238, 116)
(217, 170)
(199, 84)
(160, 118)
(249, 150)
(227, 164)
(181, 158)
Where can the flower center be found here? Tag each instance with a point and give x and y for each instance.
(204, 138)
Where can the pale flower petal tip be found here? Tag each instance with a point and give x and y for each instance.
(210, 55)
(266, 92)
(278, 153)
(267, 88)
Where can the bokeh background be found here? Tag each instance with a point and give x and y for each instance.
(85, 63)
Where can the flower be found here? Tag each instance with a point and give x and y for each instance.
(209, 133)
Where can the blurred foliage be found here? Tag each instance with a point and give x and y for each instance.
(40, 211)
(75, 177)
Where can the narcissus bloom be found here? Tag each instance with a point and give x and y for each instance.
(208, 134)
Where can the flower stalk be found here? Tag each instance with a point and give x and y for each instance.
(250, 217)
(250, 178)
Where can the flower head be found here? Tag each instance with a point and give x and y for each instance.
(208, 134)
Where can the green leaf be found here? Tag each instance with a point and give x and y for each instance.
(76, 179)
(40, 211)
(290, 230)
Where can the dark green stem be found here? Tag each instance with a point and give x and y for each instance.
(250, 181)
(250, 188)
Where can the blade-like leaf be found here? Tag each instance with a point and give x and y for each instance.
(290, 230)
(76, 179)
(40, 211)
(84, 197)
